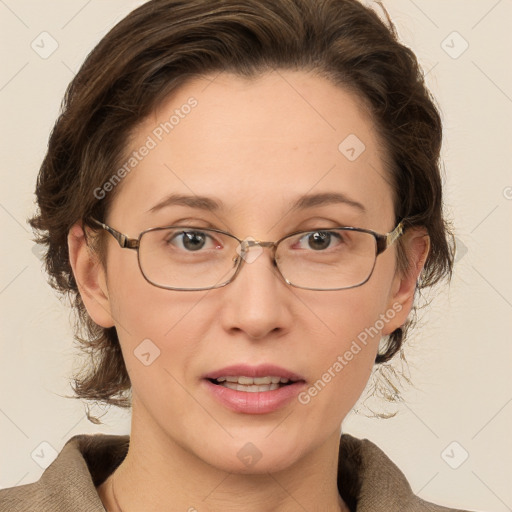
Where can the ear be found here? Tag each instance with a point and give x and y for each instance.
(90, 277)
(417, 246)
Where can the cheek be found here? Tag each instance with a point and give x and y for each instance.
(337, 318)
(158, 333)
(140, 309)
(345, 338)
(156, 327)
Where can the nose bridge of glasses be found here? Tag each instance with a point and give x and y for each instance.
(250, 242)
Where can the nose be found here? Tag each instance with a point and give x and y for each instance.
(256, 302)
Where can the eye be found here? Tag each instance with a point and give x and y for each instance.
(320, 240)
(192, 241)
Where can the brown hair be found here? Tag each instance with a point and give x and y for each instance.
(162, 44)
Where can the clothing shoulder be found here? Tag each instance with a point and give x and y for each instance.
(366, 474)
(69, 483)
(381, 486)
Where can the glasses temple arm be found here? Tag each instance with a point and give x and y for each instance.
(122, 240)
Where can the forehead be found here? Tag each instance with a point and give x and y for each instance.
(257, 144)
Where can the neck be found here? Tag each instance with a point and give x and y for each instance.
(173, 475)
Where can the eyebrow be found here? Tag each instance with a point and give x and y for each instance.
(215, 205)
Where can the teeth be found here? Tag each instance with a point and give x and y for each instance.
(251, 388)
(256, 381)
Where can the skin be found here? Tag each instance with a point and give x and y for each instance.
(256, 145)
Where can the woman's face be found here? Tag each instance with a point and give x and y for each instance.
(256, 147)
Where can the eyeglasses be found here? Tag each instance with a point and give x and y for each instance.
(193, 258)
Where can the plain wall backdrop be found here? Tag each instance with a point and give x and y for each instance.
(451, 434)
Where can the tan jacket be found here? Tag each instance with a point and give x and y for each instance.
(69, 483)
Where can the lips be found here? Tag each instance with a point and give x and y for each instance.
(263, 370)
(253, 389)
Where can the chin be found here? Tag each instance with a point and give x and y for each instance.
(259, 456)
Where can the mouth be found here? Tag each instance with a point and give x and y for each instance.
(253, 384)
(253, 389)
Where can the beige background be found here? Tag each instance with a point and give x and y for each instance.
(460, 358)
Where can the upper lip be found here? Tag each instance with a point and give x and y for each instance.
(262, 370)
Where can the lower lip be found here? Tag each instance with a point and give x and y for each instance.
(261, 402)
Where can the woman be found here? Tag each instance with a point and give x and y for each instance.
(243, 198)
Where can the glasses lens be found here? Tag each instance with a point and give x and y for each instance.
(327, 259)
(193, 258)
(187, 258)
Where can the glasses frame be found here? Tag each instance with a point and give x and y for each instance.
(383, 242)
